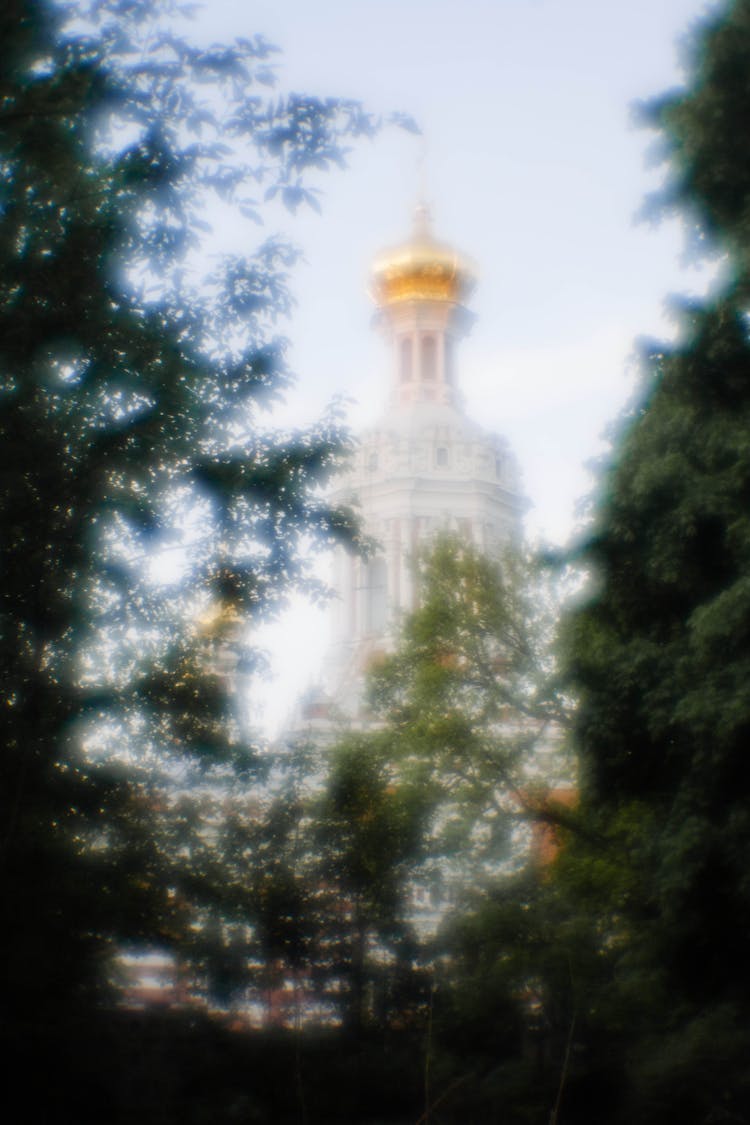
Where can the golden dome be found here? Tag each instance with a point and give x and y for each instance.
(421, 269)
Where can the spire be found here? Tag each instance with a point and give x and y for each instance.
(422, 217)
(422, 225)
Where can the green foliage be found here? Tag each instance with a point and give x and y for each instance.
(661, 651)
(431, 797)
(368, 837)
(428, 800)
(370, 825)
(700, 131)
(471, 702)
(132, 402)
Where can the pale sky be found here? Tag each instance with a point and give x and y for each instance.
(533, 168)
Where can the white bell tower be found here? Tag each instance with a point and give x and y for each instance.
(423, 468)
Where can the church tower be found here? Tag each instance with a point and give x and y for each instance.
(423, 468)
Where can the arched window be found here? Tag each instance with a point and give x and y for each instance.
(429, 357)
(406, 360)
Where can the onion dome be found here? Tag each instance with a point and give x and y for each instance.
(421, 269)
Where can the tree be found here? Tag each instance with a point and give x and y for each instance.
(661, 651)
(368, 838)
(425, 833)
(427, 802)
(432, 799)
(131, 405)
(472, 705)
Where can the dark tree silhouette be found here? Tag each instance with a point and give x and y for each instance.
(662, 649)
(131, 420)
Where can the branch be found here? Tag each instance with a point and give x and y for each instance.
(564, 1072)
